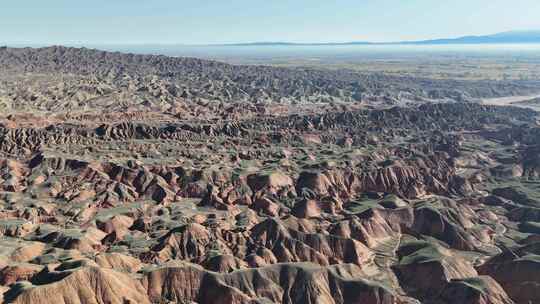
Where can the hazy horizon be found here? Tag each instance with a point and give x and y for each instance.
(336, 53)
(276, 43)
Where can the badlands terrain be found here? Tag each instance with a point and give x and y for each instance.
(151, 179)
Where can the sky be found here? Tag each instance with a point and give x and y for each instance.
(241, 21)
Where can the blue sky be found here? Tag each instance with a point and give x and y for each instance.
(226, 21)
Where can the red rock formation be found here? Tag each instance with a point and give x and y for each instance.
(279, 284)
(86, 285)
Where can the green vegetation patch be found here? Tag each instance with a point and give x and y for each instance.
(475, 283)
(419, 252)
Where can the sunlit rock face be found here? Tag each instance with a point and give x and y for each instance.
(149, 179)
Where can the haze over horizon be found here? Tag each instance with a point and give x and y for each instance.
(240, 21)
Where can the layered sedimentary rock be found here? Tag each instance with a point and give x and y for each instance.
(167, 182)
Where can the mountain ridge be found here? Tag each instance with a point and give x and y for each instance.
(509, 37)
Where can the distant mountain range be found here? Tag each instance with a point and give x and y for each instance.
(499, 38)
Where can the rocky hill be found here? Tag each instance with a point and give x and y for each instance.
(60, 78)
(107, 200)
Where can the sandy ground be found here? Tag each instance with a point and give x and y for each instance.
(512, 101)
